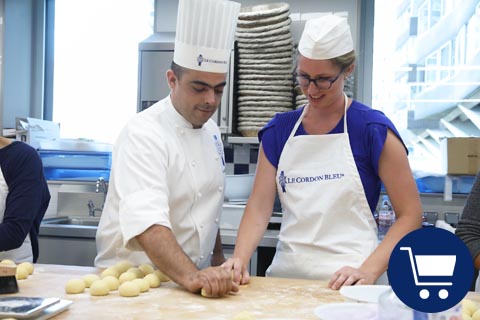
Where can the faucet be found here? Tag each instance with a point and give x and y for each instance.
(100, 185)
(92, 209)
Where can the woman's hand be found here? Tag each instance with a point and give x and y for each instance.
(348, 276)
(238, 269)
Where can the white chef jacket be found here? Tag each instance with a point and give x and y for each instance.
(167, 173)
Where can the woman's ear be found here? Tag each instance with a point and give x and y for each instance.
(349, 70)
(171, 78)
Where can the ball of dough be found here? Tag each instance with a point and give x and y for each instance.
(99, 288)
(111, 271)
(138, 273)
(153, 280)
(476, 315)
(123, 266)
(145, 268)
(75, 286)
(469, 307)
(129, 289)
(143, 284)
(21, 273)
(112, 282)
(162, 276)
(204, 293)
(7, 261)
(28, 266)
(89, 279)
(127, 276)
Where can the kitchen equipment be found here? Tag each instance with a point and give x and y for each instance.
(363, 293)
(76, 165)
(8, 282)
(238, 187)
(346, 310)
(21, 307)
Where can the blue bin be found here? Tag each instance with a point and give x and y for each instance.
(76, 165)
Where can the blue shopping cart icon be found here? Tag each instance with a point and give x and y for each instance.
(430, 270)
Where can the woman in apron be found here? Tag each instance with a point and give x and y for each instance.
(327, 161)
(24, 198)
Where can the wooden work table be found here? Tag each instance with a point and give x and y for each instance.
(263, 298)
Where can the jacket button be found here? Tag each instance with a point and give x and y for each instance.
(199, 194)
(201, 257)
(216, 220)
(220, 189)
(182, 131)
(211, 253)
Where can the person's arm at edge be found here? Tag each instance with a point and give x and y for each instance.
(468, 228)
(23, 201)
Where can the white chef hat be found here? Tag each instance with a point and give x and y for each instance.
(325, 38)
(204, 35)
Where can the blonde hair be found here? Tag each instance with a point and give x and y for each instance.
(346, 60)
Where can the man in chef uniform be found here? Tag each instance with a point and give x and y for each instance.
(167, 179)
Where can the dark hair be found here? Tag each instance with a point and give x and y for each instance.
(178, 70)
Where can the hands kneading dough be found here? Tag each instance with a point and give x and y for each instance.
(24, 269)
(129, 280)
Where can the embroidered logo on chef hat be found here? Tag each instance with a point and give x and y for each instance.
(205, 33)
(430, 270)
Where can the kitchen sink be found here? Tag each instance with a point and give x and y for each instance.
(70, 226)
(73, 221)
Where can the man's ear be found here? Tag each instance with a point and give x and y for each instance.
(171, 78)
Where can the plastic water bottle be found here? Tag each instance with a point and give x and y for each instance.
(386, 217)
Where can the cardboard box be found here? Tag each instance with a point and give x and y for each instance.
(460, 155)
(33, 131)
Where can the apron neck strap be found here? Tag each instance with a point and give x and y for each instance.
(297, 124)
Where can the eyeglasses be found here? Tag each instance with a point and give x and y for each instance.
(320, 83)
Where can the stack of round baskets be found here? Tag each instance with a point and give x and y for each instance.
(265, 65)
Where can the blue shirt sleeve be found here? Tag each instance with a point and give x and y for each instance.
(27, 199)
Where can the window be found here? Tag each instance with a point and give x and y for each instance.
(95, 63)
(428, 84)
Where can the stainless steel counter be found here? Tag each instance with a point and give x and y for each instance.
(71, 241)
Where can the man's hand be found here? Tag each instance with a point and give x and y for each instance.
(216, 282)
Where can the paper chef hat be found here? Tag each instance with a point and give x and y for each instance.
(204, 35)
(325, 38)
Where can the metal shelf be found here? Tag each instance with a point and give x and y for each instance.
(236, 139)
